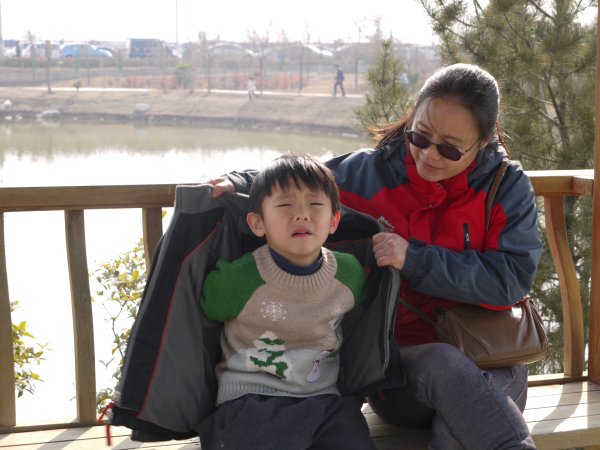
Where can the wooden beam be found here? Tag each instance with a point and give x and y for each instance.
(7, 371)
(86, 197)
(83, 326)
(562, 182)
(48, 198)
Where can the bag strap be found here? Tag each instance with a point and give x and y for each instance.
(417, 312)
(489, 200)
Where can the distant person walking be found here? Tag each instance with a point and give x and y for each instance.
(251, 88)
(339, 80)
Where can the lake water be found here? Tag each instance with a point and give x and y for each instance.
(80, 153)
(37, 154)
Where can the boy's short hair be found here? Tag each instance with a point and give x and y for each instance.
(296, 168)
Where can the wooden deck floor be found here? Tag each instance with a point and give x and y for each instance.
(559, 416)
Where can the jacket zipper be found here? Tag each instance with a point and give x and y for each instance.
(467, 236)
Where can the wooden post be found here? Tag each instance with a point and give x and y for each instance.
(83, 326)
(7, 370)
(152, 225)
(570, 294)
(594, 343)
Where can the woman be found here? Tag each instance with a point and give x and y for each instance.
(426, 182)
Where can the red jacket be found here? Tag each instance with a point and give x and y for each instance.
(451, 258)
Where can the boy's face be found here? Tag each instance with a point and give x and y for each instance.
(295, 222)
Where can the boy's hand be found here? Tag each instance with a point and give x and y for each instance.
(220, 186)
(390, 250)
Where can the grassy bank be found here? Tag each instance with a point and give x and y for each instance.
(275, 111)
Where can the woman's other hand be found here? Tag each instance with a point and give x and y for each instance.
(390, 249)
(220, 186)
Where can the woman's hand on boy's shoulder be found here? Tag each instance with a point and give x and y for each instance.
(220, 186)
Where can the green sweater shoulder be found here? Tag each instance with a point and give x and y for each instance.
(232, 283)
(351, 274)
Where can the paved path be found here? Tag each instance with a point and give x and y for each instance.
(216, 91)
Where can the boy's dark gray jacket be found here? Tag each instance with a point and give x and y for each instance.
(168, 385)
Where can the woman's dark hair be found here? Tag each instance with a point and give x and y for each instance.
(294, 168)
(469, 85)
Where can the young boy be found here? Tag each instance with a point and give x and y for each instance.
(281, 306)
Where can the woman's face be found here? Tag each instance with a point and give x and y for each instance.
(444, 121)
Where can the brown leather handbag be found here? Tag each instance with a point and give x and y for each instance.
(494, 339)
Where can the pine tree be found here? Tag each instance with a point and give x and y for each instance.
(544, 59)
(387, 97)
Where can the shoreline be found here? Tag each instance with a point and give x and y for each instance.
(276, 111)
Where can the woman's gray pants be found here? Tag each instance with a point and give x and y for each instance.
(466, 407)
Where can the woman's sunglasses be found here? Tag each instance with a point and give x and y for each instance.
(446, 150)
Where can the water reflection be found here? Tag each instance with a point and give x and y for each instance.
(97, 153)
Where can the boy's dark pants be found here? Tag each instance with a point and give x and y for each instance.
(255, 422)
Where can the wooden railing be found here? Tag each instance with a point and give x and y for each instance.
(150, 199)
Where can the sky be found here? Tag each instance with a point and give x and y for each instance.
(182, 20)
